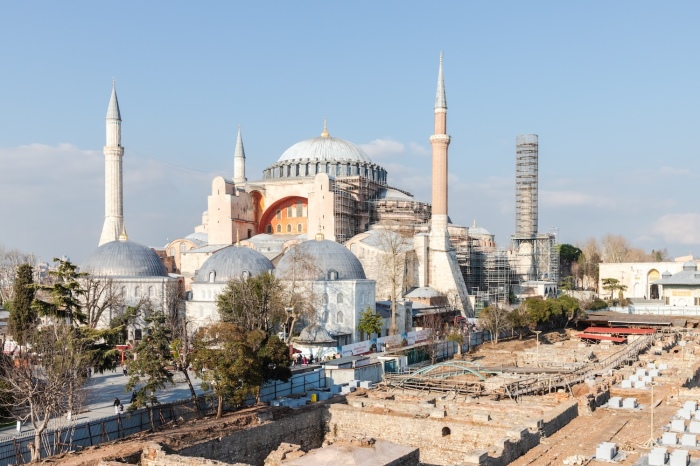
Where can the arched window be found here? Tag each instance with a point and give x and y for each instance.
(279, 228)
(269, 228)
(289, 228)
(339, 317)
(446, 431)
(137, 291)
(339, 299)
(332, 275)
(325, 298)
(150, 291)
(289, 212)
(123, 291)
(245, 275)
(300, 209)
(212, 276)
(172, 252)
(299, 228)
(182, 247)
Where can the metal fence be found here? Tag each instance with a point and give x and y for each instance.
(297, 384)
(76, 436)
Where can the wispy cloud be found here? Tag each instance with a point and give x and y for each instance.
(678, 228)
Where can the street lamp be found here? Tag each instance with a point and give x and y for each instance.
(652, 441)
(537, 333)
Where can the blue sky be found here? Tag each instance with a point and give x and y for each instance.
(611, 88)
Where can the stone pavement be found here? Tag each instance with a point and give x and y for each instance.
(100, 392)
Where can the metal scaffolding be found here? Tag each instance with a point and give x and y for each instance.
(526, 187)
(487, 274)
(535, 258)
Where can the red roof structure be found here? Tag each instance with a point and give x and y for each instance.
(586, 336)
(621, 331)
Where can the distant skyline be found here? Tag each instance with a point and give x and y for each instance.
(610, 88)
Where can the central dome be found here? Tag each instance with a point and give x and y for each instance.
(326, 149)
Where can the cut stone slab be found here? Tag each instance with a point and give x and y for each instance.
(669, 438)
(640, 384)
(678, 425)
(683, 413)
(626, 384)
(615, 402)
(658, 456)
(606, 451)
(629, 403)
(690, 406)
(694, 427)
(689, 440)
(679, 458)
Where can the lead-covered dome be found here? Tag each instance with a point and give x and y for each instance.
(332, 260)
(124, 258)
(325, 149)
(325, 154)
(233, 262)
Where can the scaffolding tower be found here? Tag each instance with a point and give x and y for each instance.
(526, 185)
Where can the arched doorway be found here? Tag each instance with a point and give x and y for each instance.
(653, 276)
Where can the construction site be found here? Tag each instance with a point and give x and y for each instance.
(626, 394)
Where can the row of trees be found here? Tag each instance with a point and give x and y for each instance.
(532, 313)
(579, 264)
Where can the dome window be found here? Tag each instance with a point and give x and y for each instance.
(245, 275)
(212, 276)
(332, 275)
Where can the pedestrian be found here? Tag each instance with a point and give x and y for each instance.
(114, 366)
(117, 404)
(124, 369)
(303, 360)
(89, 372)
(133, 397)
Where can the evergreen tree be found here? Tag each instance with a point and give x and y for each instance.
(23, 316)
(64, 296)
(370, 322)
(152, 355)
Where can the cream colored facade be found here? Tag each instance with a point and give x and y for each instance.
(638, 277)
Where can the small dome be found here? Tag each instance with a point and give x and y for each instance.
(315, 333)
(123, 258)
(325, 148)
(666, 274)
(477, 230)
(690, 265)
(334, 261)
(233, 262)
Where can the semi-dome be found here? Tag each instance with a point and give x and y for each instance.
(124, 258)
(315, 333)
(333, 260)
(477, 230)
(233, 262)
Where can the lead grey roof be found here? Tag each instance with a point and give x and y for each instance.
(315, 333)
(391, 194)
(688, 276)
(113, 108)
(328, 256)
(124, 259)
(231, 263)
(423, 292)
(440, 99)
(325, 148)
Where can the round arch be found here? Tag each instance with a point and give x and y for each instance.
(293, 205)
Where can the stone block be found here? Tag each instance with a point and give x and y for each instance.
(690, 406)
(669, 438)
(629, 403)
(517, 434)
(615, 402)
(366, 384)
(651, 365)
(654, 373)
(347, 389)
(438, 413)
(476, 457)
(679, 458)
(641, 372)
(606, 451)
(683, 413)
(663, 366)
(626, 384)
(647, 379)
(689, 440)
(634, 378)
(640, 384)
(658, 456)
(481, 417)
(694, 427)
(696, 415)
(678, 425)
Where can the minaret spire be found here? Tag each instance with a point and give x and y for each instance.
(440, 140)
(113, 151)
(239, 160)
(440, 100)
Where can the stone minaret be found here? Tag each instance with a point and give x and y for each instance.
(439, 140)
(239, 161)
(113, 150)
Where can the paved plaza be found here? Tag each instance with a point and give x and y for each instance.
(100, 392)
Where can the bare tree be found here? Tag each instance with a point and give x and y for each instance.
(395, 247)
(35, 384)
(176, 321)
(436, 328)
(100, 296)
(300, 298)
(495, 319)
(10, 259)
